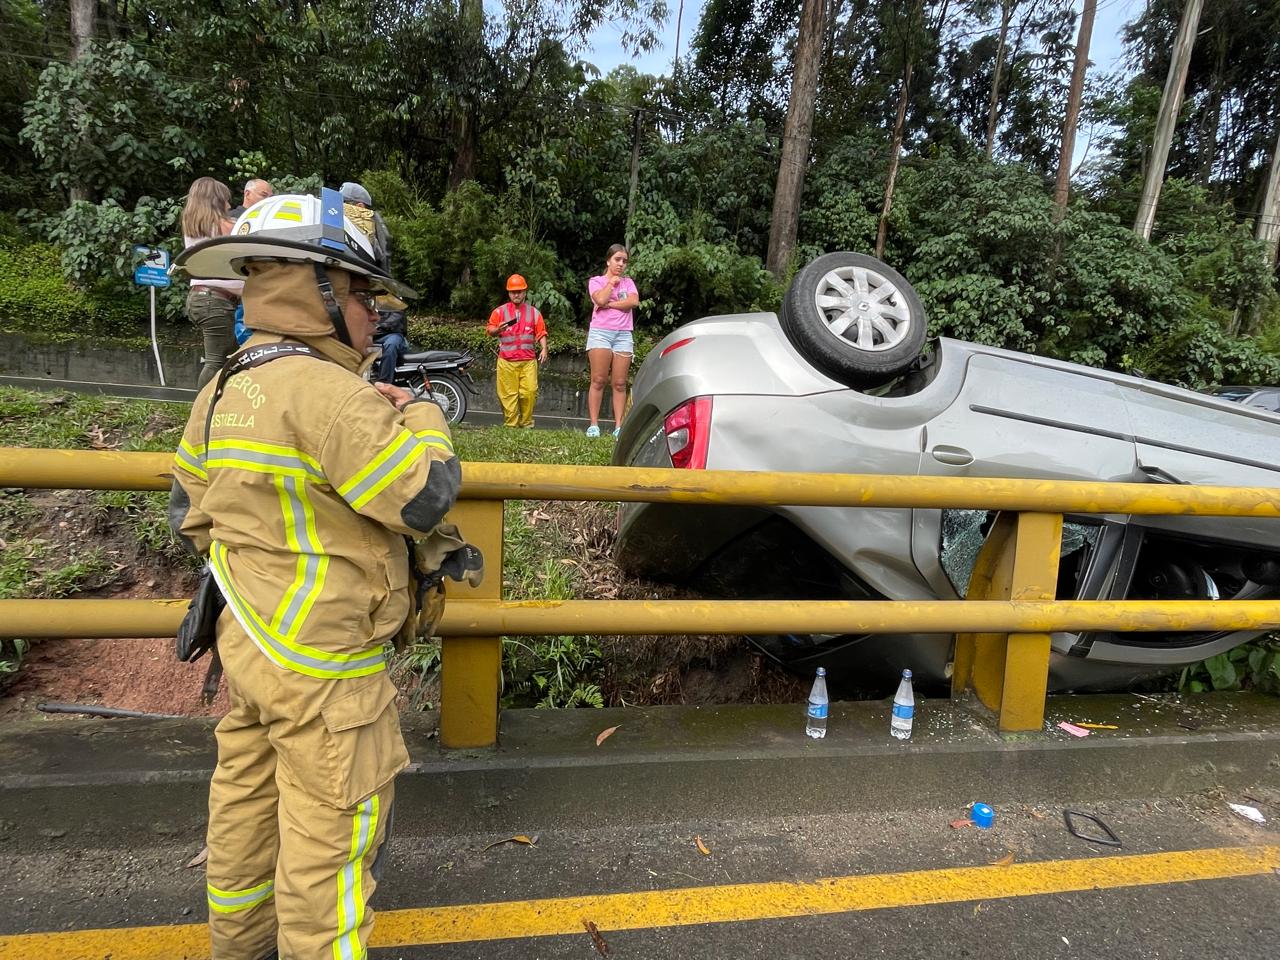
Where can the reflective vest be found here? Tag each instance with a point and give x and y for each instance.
(518, 341)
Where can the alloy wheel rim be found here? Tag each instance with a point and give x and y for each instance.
(862, 308)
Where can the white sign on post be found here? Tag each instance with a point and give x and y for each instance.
(151, 269)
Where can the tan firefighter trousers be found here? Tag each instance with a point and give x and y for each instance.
(298, 807)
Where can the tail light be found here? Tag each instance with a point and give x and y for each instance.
(688, 429)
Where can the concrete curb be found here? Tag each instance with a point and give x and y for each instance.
(99, 783)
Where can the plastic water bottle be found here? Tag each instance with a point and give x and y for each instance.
(904, 707)
(815, 720)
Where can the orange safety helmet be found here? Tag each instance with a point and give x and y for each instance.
(516, 282)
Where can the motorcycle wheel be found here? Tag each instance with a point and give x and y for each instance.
(450, 396)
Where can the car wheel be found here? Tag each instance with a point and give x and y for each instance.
(854, 318)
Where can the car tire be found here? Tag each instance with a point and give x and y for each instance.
(855, 318)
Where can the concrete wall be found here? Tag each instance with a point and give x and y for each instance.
(561, 393)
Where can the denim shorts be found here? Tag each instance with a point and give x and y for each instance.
(619, 341)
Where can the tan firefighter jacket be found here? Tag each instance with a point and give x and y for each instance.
(307, 487)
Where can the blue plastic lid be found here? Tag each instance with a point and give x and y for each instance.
(822, 671)
(906, 674)
(982, 816)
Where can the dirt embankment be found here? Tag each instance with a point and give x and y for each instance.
(144, 675)
(64, 526)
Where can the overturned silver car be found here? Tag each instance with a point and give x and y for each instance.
(844, 382)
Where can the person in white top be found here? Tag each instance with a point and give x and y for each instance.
(211, 304)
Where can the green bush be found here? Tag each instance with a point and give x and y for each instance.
(459, 256)
(682, 276)
(1198, 354)
(34, 298)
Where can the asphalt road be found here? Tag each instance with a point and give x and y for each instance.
(991, 912)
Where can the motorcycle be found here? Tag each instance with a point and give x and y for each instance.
(441, 376)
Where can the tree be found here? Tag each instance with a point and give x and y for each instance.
(909, 39)
(993, 110)
(1224, 133)
(112, 124)
(1073, 108)
(794, 152)
(1268, 228)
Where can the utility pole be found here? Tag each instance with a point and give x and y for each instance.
(1169, 106)
(635, 174)
(1063, 186)
(796, 132)
(1268, 228)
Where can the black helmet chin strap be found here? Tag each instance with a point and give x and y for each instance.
(331, 304)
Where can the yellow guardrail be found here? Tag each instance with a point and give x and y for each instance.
(1002, 630)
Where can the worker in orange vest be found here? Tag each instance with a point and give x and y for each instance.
(522, 340)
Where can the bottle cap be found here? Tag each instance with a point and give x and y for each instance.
(982, 816)
(822, 671)
(906, 674)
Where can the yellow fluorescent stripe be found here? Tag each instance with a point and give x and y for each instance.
(382, 457)
(390, 476)
(444, 444)
(215, 461)
(274, 449)
(189, 468)
(480, 922)
(218, 554)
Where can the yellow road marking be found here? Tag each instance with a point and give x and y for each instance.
(465, 923)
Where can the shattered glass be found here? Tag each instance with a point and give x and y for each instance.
(965, 531)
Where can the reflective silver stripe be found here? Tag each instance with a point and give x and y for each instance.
(406, 449)
(351, 901)
(222, 453)
(233, 901)
(281, 650)
(191, 458)
(298, 531)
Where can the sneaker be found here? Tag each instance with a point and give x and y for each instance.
(593, 431)
(616, 432)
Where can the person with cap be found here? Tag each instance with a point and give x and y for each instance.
(522, 348)
(359, 208)
(300, 481)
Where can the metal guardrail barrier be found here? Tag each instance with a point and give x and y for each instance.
(1002, 629)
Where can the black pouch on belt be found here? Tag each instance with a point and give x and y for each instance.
(198, 632)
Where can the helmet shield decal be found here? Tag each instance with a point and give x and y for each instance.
(333, 233)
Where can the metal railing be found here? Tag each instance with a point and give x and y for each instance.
(1002, 642)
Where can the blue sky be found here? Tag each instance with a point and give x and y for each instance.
(606, 49)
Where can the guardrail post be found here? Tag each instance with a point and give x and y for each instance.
(1010, 672)
(471, 667)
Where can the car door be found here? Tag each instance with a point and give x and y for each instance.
(1026, 419)
(1181, 439)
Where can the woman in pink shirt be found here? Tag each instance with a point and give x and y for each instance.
(609, 341)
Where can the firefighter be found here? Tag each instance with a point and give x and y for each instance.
(520, 329)
(299, 481)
